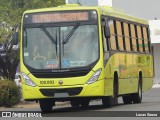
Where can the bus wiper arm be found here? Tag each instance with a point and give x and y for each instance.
(50, 37)
(48, 34)
(70, 33)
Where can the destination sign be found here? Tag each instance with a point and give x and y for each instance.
(59, 17)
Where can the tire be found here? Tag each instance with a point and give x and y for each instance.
(75, 103)
(127, 99)
(115, 89)
(108, 101)
(115, 96)
(46, 105)
(137, 97)
(84, 103)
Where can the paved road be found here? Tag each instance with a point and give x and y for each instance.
(151, 103)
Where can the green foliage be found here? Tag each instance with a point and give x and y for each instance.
(10, 15)
(11, 12)
(9, 93)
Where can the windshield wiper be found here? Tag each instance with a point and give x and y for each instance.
(54, 41)
(70, 33)
(48, 34)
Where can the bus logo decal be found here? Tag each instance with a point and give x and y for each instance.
(60, 82)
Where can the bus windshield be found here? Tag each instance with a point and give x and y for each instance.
(59, 47)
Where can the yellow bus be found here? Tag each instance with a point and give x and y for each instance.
(80, 53)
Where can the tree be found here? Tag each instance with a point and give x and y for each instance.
(10, 59)
(11, 12)
(10, 15)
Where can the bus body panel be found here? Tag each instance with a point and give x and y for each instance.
(128, 67)
(92, 90)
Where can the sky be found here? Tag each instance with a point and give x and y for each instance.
(147, 9)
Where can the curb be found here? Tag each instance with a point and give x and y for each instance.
(24, 104)
(156, 85)
(27, 104)
(62, 103)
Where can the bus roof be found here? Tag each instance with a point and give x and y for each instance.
(102, 10)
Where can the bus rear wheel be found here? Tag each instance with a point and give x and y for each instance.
(127, 99)
(46, 105)
(137, 97)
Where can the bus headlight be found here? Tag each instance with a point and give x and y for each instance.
(28, 81)
(94, 77)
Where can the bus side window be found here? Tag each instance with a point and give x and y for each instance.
(127, 40)
(148, 37)
(146, 46)
(133, 36)
(113, 35)
(140, 43)
(119, 36)
(143, 39)
(105, 47)
(105, 42)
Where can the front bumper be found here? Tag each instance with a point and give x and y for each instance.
(86, 90)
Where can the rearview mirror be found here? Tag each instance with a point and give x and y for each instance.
(15, 36)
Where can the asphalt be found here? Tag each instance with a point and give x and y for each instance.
(25, 104)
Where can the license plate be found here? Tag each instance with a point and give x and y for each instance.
(61, 95)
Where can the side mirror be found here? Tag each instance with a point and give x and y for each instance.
(106, 30)
(15, 36)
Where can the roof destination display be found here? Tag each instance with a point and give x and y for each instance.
(59, 17)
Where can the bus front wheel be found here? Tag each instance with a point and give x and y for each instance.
(82, 102)
(107, 101)
(127, 99)
(74, 103)
(46, 105)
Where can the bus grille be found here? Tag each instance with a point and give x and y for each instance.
(70, 91)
